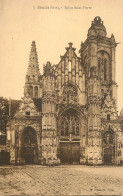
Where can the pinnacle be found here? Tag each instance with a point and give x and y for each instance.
(70, 44)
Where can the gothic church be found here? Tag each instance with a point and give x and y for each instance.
(69, 114)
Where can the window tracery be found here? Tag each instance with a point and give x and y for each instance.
(70, 125)
(70, 94)
(103, 66)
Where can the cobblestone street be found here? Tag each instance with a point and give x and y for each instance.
(61, 180)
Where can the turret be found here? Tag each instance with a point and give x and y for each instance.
(94, 118)
(49, 128)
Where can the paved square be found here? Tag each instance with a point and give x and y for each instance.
(61, 180)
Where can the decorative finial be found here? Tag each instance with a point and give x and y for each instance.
(112, 38)
(97, 20)
(70, 44)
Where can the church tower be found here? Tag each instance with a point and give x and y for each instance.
(98, 57)
(99, 50)
(33, 77)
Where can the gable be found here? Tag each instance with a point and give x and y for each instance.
(27, 108)
(70, 70)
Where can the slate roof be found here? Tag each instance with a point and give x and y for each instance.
(38, 104)
(16, 103)
(14, 106)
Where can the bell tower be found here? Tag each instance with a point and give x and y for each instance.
(98, 57)
(103, 47)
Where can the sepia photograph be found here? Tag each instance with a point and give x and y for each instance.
(61, 98)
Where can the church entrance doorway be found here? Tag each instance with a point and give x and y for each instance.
(70, 152)
(29, 145)
(109, 147)
(69, 129)
(29, 155)
(107, 156)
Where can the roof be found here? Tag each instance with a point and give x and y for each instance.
(97, 27)
(38, 103)
(14, 106)
(16, 103)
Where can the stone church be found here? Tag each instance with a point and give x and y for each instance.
(69, 114)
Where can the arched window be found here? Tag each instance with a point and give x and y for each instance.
(31, 91)
(85, 63)
(69, 125)
(99, 67)
(69, 66)
(77, 128)
(105, 72)
(35, 92)
(103, 66)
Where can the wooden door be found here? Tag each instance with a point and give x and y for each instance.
(64, 152)
(70, 152)
(107, 156)
(75, 153)
(4, 157)
(29, 155)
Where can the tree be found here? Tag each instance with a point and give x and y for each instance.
(4, 114)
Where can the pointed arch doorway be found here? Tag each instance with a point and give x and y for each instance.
(69, 128)
(29, 145)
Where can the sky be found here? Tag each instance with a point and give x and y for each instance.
(52, 24)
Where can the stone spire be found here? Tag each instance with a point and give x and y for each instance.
(32, 82)
(33, 68)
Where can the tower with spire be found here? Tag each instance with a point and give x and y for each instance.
(33, 76)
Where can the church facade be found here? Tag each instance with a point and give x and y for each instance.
(69, 114)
